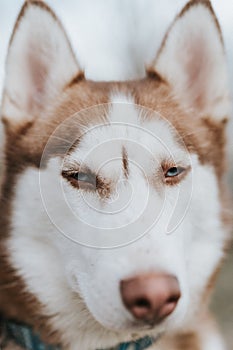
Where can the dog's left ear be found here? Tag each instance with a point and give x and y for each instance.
(192, 61)
(39, 64)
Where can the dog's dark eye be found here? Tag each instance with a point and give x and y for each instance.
(81, 180)
(174, 171)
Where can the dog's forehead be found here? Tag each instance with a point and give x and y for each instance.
(130, 133)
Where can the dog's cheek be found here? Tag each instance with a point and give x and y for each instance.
(206, 246)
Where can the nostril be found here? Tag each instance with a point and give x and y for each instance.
(173, 299)
(141, 308)
(143, 303)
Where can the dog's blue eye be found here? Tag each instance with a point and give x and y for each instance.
(81, 180)
(174, 171)
(81, 177)
(85, 177)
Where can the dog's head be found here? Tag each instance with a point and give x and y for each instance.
(116, 221)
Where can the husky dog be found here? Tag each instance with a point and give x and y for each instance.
(113, 211)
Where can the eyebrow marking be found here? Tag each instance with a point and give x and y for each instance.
(125, 162)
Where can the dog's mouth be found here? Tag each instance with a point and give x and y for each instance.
(137, 329)
(143, 327)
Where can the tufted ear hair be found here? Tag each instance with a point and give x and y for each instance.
(39, 64)
(192, 60)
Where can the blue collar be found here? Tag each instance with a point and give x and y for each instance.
(23, 336)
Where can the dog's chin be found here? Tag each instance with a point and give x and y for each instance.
(135, 329)
(134, 332)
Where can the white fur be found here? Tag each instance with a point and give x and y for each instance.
(194, 62)
(41, 60)
(191, 252)
(72, 248)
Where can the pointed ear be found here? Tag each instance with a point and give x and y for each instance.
(192, 60)
(40, 63)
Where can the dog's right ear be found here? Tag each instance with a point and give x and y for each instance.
(192, 61)
(40, 63)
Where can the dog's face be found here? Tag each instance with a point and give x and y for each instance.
(116, 214)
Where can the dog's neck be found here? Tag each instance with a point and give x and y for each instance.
(23, 336)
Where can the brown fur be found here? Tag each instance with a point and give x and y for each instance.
(11, 346)
(125, 162)
(182, 341)
(186, 341)
(24, 148)
(80, 76)
(192, 129)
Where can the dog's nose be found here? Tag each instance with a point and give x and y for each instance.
(152, 297)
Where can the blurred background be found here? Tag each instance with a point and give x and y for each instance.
(107, 34)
